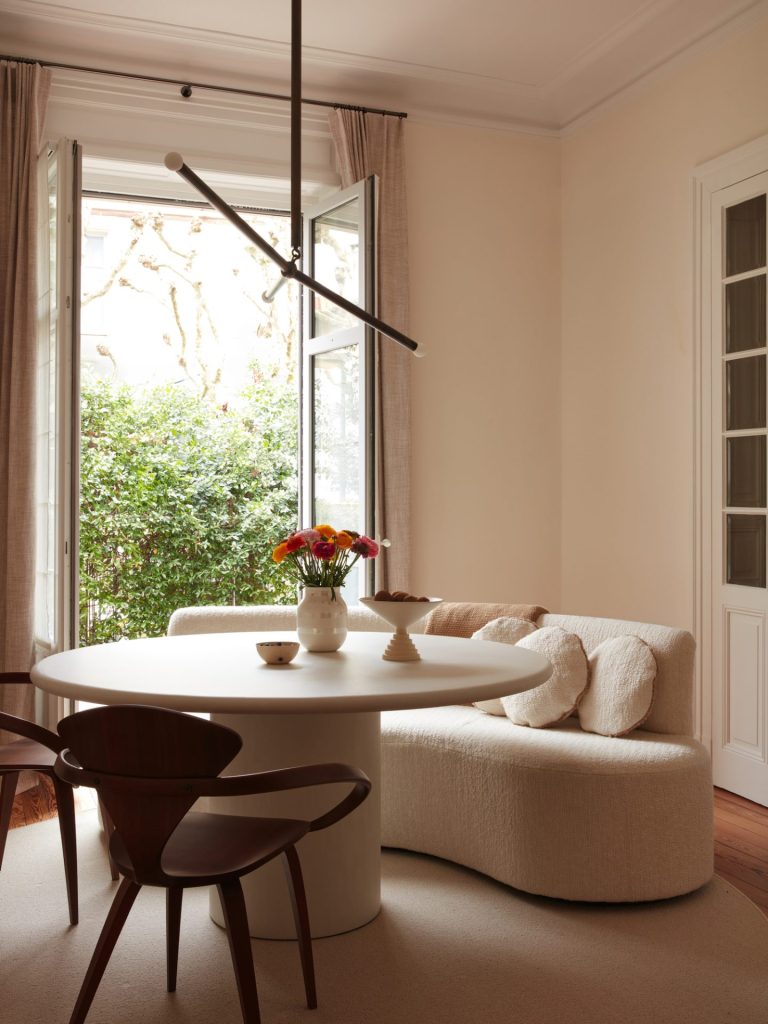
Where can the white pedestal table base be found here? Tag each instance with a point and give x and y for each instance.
(341, 864)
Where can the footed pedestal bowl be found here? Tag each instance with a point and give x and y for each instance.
(402, 615)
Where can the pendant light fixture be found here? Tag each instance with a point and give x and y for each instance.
(289, 269)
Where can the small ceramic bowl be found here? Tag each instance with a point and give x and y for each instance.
(278, 652)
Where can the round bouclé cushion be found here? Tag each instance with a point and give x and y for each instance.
(506, 630)
(619, 697)
(558, 697)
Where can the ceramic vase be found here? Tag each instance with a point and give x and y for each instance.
(321, 619)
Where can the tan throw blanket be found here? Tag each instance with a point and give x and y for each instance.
(466, 617)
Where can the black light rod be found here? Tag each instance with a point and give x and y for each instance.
(356, 311)
(175, 162)
(296, 127)
(270, 293)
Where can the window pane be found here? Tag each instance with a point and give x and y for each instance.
(745, 393)
(336, 255)
(745, 236)
(746, 550)
(338, 500)
(745, 314)
(189, 416)
(746, 472)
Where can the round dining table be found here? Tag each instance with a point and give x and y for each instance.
(319, 708)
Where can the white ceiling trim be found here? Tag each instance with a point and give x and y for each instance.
(639, 46)
(646, 80)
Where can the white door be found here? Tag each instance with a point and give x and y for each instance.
(739, 498)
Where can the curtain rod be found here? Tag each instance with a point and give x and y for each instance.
(187, 86)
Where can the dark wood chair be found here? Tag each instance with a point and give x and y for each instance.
(149, 765)
(36, 751)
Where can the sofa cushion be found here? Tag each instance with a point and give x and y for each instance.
(674, 651)
(558, 697)
(506, 630)
(466, 617)
(619, 697)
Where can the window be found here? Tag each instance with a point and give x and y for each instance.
(338, 373)
(187, 415)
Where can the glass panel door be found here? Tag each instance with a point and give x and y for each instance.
(56, 490)
(739, 489)
(337, 372)
(744, 391)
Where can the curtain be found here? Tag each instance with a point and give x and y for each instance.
(369, 144)
(24, 92)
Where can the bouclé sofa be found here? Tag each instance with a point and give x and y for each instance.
(558, 811)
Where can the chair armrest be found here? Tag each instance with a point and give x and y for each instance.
(276, 781)
(31, 731)
(301, 777)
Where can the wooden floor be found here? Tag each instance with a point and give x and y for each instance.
(741, 845)
(35, 804)
(741, 836)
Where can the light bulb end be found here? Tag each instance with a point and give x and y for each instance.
(174, 161)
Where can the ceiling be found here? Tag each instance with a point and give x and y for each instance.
(535, 64)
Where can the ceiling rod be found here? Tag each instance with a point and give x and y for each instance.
(186, 85)
(289, 268)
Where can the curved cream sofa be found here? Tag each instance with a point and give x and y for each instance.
(557, 811)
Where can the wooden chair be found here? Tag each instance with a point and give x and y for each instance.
(36, 751)
(149, 765)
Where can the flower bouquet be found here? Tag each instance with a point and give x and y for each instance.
(320, 560)
(323, 556)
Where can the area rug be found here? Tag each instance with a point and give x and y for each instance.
(449, 947)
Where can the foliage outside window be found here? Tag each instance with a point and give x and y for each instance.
(189, 414)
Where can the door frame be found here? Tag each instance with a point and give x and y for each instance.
(708, 178)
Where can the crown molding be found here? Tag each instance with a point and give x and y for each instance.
(659, 32)
(750, 17)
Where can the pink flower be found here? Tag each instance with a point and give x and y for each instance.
(365, 546)
(324, 549)
(309, 536)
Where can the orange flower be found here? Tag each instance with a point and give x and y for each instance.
(327, 531)
(344, 540)
(280, 552)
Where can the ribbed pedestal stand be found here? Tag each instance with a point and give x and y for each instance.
(401, 647)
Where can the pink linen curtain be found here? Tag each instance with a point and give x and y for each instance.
(24, 92)
(373, 144)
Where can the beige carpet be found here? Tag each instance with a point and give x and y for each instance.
(449, 946)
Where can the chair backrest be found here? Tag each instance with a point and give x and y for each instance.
(125, 744)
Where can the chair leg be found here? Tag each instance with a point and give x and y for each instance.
(65, 802)
(109, 828)
(7, 793)
(173, 897)
(118, 912)
(236, 921)
(295, 879)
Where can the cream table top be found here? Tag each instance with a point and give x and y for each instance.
(222, 673)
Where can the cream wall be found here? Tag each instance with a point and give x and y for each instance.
(484, 246)
(627, 349)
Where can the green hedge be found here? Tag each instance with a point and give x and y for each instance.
(181, 502)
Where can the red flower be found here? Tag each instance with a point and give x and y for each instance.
(294, 542)
(365, 546)
(324, 549)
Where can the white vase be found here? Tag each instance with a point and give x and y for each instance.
(321, 619)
